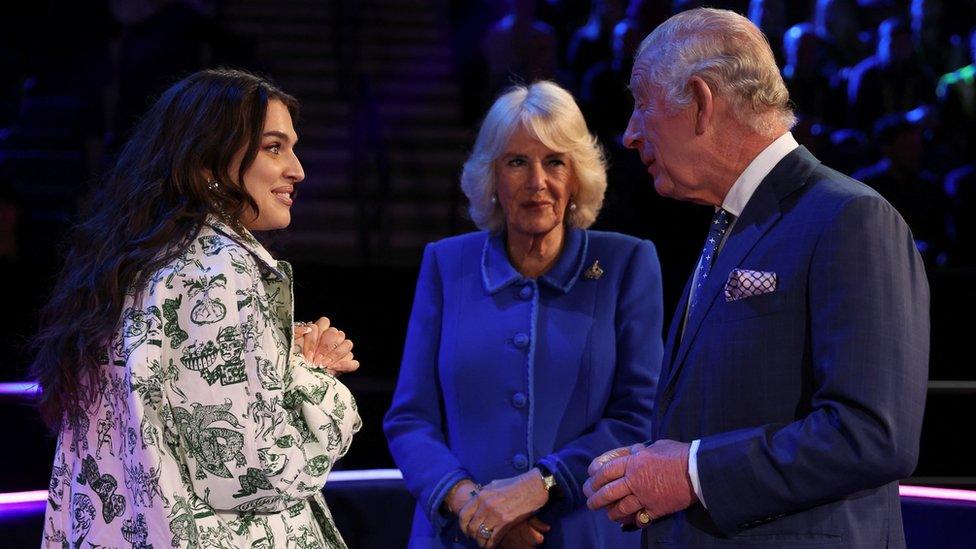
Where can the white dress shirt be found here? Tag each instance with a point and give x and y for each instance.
(735, 202)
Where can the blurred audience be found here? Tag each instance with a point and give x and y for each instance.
(519, 48)
(956, 94)
(770, 16)
(837, 24)
(592, 43)
(856, 70)
(604, 95)
(810, 75)
(893, 79)
(900, 177)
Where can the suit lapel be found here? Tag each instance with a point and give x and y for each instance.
(674, 332)
(760, 214)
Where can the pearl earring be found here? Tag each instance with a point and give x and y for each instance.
(494, 199)
(572, 206)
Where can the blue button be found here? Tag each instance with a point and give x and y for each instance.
(521, 340)
(519, 400)
(520, 462)
(525, 292)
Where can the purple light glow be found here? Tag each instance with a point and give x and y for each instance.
(34, 500)
(927, 492)
(15, 510)
(23, 497)
(23, 388)
(22, 504)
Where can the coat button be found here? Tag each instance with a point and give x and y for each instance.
(525, 292)
(521, 340)
(519, 400)
(520, 462)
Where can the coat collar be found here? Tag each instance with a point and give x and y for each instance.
(248, 242)
(497, 271)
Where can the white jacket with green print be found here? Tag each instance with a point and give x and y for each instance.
(209, 429)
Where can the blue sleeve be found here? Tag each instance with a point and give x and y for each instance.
(414, 425)
(627, 417)
(868, 320)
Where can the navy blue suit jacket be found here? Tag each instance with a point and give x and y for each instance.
(500, 372)
(808, 400)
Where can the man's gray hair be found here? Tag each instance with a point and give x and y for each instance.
(728, 52)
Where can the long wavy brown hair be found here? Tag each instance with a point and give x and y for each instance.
(144, 213)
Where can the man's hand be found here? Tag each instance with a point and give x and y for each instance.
(529, 533)
(654, 479)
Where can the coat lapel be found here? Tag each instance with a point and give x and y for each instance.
(760, 214)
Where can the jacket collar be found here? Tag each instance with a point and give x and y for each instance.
(497, 271)
(248, 242)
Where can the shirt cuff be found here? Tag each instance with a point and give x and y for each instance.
(693, 471)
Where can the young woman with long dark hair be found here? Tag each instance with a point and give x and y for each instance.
(191, 410)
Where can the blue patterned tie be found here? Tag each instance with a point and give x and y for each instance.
(720, 224)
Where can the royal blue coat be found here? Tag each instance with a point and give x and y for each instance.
(501, 372)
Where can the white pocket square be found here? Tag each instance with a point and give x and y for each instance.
(743, 283)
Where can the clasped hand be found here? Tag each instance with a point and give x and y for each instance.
(505, 506)
(652, 478)
(325, 347)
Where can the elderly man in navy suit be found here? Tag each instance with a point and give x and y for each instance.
(790, 400)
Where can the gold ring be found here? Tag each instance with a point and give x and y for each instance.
(643, 518)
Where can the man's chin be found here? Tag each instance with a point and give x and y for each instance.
(665, 189)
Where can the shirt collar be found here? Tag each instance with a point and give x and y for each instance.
(248, 242)
(497, 271)
(757, 170)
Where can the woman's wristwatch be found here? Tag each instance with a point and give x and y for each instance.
(549, 481)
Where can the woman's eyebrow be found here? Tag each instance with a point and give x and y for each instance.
(279, 135)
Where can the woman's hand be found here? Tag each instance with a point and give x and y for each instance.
(529, 533)
(501, 505)
(323, 346)
(459, 494)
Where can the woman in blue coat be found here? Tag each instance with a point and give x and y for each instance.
(533, 345)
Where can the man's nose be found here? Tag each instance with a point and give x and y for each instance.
(631, 135)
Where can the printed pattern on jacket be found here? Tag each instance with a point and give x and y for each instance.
(208, 429)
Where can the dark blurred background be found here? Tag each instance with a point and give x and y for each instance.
(393, 91)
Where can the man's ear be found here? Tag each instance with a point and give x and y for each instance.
(704, 103)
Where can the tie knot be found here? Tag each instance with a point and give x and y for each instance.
(720, 222)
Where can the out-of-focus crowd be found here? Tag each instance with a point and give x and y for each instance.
(883, 89)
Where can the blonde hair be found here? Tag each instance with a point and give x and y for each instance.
(728, 52)
(550, 114)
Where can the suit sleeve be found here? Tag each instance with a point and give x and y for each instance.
(257, 429)
(627, 416)
(868, 317)
(414, 425)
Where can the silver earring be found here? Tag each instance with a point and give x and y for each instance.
(212, 185)
(572, 206)
(494, 199)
